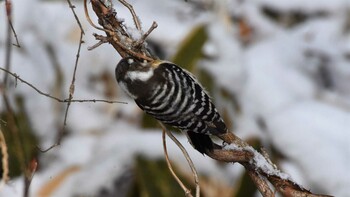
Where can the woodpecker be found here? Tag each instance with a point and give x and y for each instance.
(173, 96)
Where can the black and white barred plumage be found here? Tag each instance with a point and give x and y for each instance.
(173, 96)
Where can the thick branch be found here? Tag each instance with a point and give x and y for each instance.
(230, 155)
(245, 155)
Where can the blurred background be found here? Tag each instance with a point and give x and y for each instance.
(278, 71)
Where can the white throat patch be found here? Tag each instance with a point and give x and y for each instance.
(125, 88)
(143, 76)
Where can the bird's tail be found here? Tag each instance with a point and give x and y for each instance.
(200, 142)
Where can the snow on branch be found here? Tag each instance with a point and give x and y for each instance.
(260, 169)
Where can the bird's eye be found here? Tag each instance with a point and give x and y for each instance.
(130, 61)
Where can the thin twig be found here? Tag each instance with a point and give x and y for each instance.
(188, 158)
(96, 45)
(49, 148)
(72, 85)
(71, 6)
(132, 53)
(55, 98)
(145, 35)
(134, 16)
(8, 53)
(8, 5)
(87, 16)
(186, 190)
(29, 175)
(15, 35)
(92, 101)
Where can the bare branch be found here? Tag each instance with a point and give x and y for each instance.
(47, 149)
(72, 7)
(8, 53)
(8, 5)
(145, 35)
(72, 85)
(29, 174)
(97, 45)
(58, 99)
(134, 16)
(188, 158)
(87, 16)
(186, 190)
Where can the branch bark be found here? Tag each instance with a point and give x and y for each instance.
(246, 156)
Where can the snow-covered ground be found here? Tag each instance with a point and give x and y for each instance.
(292, 76)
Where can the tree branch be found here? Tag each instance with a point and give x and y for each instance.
(182, 185)
(14, 75)
(188, 158)
(259, 169)
(116, 32)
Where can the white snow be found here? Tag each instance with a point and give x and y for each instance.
(259, 161)
(318, 133)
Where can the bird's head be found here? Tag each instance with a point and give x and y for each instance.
(135, 77)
